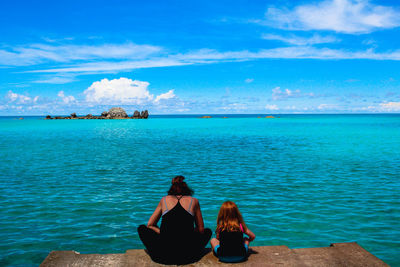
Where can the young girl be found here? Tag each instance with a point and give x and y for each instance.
(230, 246)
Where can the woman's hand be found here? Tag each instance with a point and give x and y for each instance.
(154, 228)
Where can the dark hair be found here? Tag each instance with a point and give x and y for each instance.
(179, 187)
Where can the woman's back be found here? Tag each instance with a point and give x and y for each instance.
(177, 221)
(187, 202)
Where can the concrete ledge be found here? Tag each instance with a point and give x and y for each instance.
(338, 254)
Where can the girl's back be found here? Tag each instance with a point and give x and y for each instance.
(231, 244)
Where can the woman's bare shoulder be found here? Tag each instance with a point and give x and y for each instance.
(195, 201)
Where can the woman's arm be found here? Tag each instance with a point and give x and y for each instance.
(152, 223)
(198, 216)
(251, 235)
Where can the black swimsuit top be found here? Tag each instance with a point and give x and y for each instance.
(177, 223)
(231, 244)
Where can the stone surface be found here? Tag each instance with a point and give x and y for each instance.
(339, 254)
(73, 115)
(117, 112)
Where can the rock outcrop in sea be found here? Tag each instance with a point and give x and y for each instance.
(112, 113)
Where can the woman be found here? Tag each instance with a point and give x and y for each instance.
(181, 237)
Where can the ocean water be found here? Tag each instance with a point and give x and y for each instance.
(299, 180)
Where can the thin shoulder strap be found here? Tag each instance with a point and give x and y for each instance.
(165, 202)
(190, 205)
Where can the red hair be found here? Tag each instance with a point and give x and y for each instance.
(229, 218)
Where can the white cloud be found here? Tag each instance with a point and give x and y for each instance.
(390, 106)
(118, 91)
(345, 16)
(298, 40)
(168, 95)
(249, 80)
(12, 96)
(278, 94)
(66, 99)
(271, 107)
(19, 98)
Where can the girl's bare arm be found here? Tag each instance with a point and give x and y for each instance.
(251, 235)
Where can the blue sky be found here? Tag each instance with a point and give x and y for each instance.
(195, 57)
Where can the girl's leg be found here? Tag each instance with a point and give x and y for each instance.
(246, 244)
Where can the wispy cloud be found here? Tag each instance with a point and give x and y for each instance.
(325, 107)
(279, 94)
(344, 16)
(114, 67)
(271, 107)
(298, 40)
(210, 56)
(41, 53)
(234, 107)
(390, 106)
(56, 80)
(67, 61)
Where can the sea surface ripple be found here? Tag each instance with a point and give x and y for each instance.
(299, 180)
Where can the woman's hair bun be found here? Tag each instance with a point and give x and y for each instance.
(179, 187)
(178, 179)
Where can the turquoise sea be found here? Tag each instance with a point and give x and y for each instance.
(299, 180)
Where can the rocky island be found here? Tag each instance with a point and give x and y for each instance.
(113, 113)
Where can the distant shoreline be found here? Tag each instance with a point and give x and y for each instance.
(252, 115)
